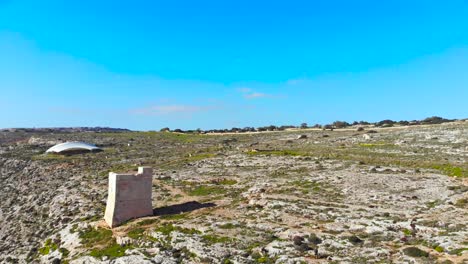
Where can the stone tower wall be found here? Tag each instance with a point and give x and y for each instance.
(129, 196)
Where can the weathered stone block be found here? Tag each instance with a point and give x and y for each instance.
(129, 196)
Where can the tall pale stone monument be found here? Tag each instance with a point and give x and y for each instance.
(129, 196)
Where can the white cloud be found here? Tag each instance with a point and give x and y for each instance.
(256, 95)
(251, 94)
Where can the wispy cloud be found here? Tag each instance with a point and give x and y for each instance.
(172, 109)
(248, 93)
(244, 90)
(256, 95)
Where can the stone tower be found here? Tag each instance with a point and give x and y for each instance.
(129, 196)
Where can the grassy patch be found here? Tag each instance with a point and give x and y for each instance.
(51, 157)
(451, 170)
(102, 242)
(308, 185)
(407, 232)
(167, 229)
(227, 182)
(265, 259)
(206, 190)
(148, 222)
(200, 157)
(111, 251)
(174, 216)
(91, 218)
(367, 155)
(375, 145)
(91, 236)
(136, 233)
(213, 239)
(49, 246)
(278, 153)
(433, 204)
(184, 138)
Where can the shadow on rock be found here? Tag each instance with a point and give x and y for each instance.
(181, 208)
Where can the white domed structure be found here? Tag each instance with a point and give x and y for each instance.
(68, 147)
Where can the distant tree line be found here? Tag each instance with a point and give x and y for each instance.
(335, 125)
(66, 129)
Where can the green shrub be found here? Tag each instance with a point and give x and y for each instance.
(228, 226)
(457, 251)
(355, 240)
(407, 232)
(415, 252)
(462, 203)
(49, 246)
(439, 249)
(74, 228)
(65, 252)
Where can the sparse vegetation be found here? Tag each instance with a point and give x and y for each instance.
(110, 251)
(49, 246)
(228, 226)
(415, 252)
(458, 251)
(258, 194)
(279, 153)
(167, 229)
(227, 182)
(451, 170)
(462, 203)
(174, 216)
(213, 239)
(136, 233)
(91, 237)
(206, 190)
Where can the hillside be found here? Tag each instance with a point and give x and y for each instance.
(397, 195)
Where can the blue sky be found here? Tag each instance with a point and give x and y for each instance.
(213, 64)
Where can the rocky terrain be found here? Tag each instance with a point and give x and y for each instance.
(377, 195)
